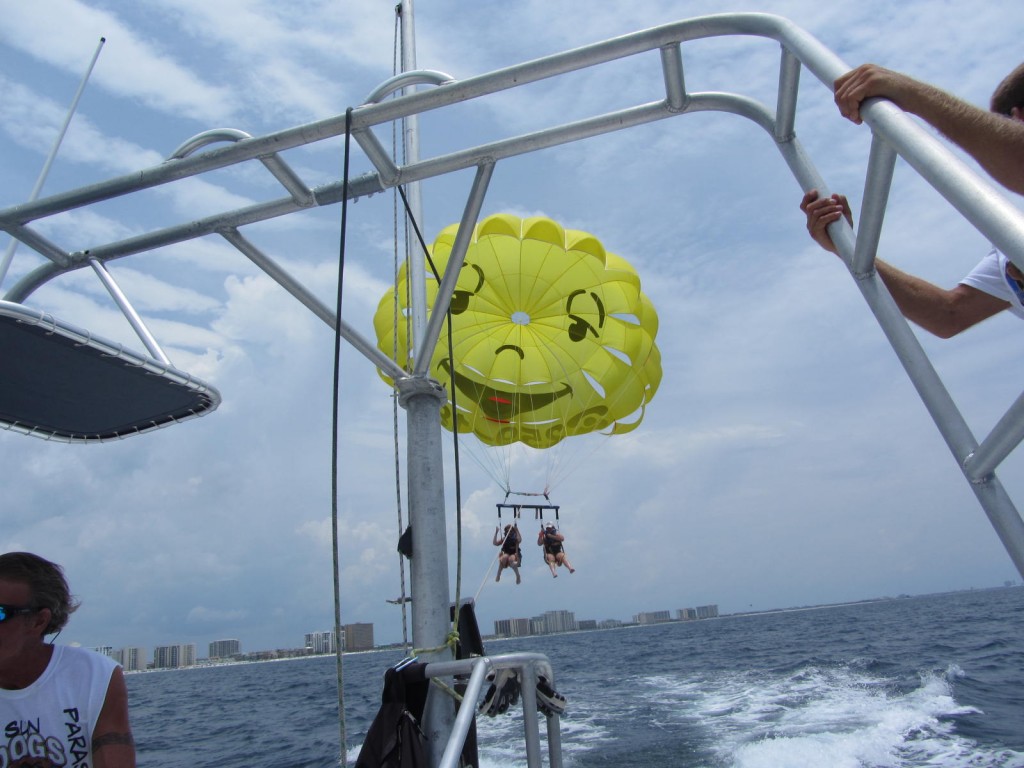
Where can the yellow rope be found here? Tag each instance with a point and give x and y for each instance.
(450, 642)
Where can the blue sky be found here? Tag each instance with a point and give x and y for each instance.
(785, 460)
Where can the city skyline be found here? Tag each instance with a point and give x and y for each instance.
(633, 616)
(641, 619)
(354, 637)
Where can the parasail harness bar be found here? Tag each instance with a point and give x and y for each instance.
(517, 509)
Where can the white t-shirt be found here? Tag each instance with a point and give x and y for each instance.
(990, 276)
(50, 723)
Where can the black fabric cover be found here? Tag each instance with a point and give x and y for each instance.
(394, 739)
(470, 642)
(405, 542)
(66, 389)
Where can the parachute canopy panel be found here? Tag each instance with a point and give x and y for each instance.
(552, 334)
(63, 383)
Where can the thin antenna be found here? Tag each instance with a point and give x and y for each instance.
(411, 139)
(5, 263)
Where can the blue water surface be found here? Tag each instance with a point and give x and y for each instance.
(924, 681)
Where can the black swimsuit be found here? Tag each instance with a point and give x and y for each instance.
(510, 546)
(552, 545)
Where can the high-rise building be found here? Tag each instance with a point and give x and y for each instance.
(132, 659)
(707, 611)
(686, 614)
(560, 621)
(321, 642)
(174, 656)
(512, 627)
(652, 617)
(225, 649)
(358, 637)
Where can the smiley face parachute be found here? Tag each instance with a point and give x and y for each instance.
(552, 336)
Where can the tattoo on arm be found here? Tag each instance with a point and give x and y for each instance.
(106, 739)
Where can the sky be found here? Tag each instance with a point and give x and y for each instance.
(784, 461)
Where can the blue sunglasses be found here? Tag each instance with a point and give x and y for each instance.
(8, 611)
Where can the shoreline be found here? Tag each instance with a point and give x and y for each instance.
(496, 639)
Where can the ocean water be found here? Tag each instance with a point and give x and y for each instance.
(922, 681)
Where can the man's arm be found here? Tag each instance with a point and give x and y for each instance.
(944, 313)
(995, 141)
(941, 312)
(112, 742)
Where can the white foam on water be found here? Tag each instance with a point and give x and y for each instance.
(838, 717)
(500, 739)
(817, 717)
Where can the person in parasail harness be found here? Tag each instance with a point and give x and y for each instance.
(510, 556)
(554, 555)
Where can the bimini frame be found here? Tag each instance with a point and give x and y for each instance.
(893, 134)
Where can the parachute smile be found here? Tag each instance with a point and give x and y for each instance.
(502, 405)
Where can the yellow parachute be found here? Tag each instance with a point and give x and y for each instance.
(552, 334)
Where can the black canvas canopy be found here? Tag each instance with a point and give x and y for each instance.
(64, 383)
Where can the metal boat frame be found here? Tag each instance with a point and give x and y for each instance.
(894, 134)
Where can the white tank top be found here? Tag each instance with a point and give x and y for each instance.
(51, 722)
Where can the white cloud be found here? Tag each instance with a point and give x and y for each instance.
(130, 65)
(202, 615)
(783, 416)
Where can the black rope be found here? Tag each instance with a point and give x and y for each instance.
(343, 758)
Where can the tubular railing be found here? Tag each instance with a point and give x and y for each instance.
(894, 134)
(528, 666)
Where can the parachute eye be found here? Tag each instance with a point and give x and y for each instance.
(460, 302)
(460, 297)
(578, 330)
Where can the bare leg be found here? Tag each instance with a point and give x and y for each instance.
(563, 560)
(515, 569)
(551, 564)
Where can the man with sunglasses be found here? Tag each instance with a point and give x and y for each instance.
(59, 705)
(995, 139)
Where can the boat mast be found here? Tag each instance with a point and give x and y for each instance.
(411, 144)
(422, 399)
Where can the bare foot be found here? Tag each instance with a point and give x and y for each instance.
(498, 577)
(572, 570)
(554, 575)
(518, 580)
